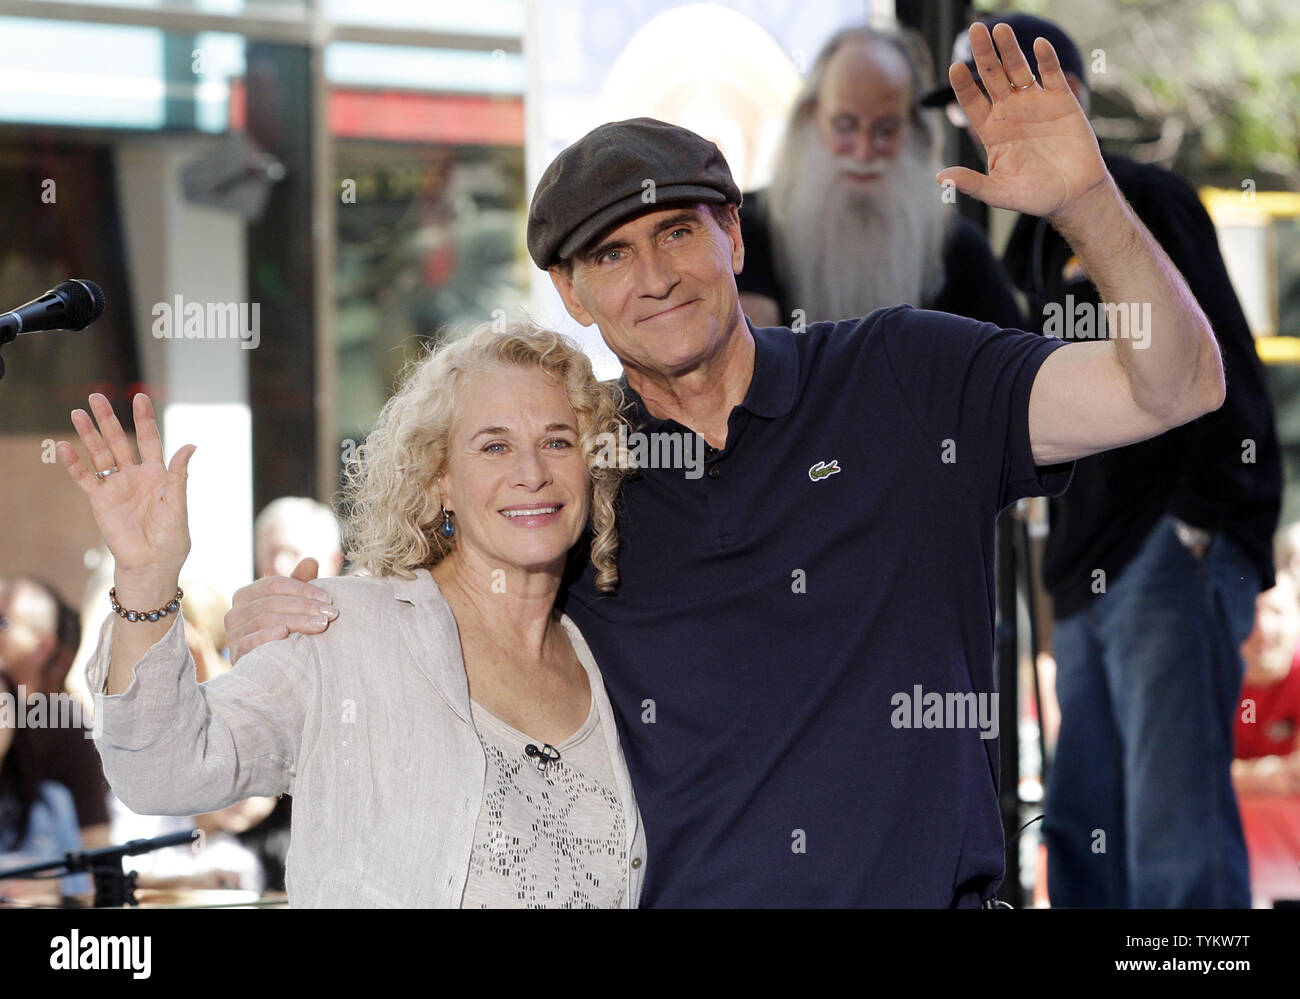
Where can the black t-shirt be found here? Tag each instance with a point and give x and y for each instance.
(1198, 472)
(974, 284)
(783, 619)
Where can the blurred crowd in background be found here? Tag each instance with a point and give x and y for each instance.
(53, 795)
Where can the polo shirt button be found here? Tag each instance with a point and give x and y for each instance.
(715, 472)
(636, 862)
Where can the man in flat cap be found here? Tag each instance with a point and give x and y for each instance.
(800, 652)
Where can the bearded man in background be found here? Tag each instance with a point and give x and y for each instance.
(852, 220)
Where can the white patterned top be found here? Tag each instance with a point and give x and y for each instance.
(554, 838)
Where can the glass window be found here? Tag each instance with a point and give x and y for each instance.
(122, 76)
(113, 78)
(446, 70)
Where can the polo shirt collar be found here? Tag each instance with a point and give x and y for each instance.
(772, 389)
(775, 383)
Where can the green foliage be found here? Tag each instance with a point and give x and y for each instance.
(1210, 87)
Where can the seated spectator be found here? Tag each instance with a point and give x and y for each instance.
(1266, 772)
(39, 636)
(1268, 719)
(38, 820)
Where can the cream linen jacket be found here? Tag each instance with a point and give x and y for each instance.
(367, 725)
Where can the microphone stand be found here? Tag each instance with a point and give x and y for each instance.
(113, 887)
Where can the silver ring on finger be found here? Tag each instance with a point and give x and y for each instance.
(101, 476)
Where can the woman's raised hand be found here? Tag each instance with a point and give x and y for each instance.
(139, 505)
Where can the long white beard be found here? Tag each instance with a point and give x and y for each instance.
(842, 253)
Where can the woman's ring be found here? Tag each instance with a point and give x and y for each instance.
(101, 476)
(1025, 87)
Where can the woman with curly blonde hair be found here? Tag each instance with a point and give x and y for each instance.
(447, 740)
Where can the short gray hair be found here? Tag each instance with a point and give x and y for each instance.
(306, 517)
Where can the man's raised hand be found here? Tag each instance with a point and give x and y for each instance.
(1043, 156)
(274, 607)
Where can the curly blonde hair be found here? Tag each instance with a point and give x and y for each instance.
(392, 505)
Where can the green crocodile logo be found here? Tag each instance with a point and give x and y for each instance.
(823, 469)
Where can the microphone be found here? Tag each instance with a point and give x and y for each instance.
(547, 754)
(73, 305)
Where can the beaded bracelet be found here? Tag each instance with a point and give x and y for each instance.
(152, 615)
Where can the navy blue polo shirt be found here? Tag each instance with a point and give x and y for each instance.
(784, 621)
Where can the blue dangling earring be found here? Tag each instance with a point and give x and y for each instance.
(448, 528)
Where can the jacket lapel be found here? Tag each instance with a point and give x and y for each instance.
(429, 630)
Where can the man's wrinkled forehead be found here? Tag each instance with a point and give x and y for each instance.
(612, 236)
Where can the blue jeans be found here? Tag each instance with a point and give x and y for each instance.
(1140, 810)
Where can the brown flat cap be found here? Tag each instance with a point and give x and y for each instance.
(621, 169)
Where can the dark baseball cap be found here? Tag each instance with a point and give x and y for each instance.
(1026, 28)
(618, 170)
